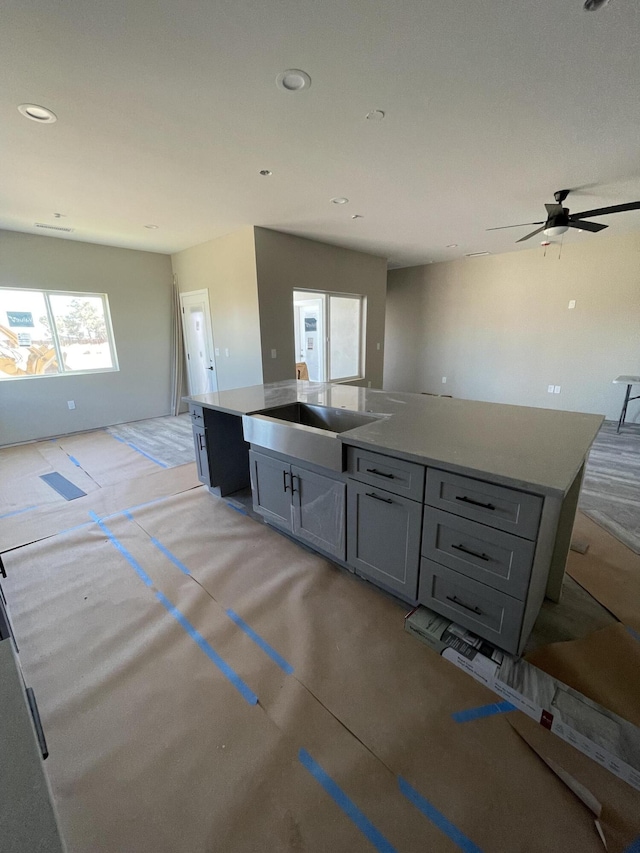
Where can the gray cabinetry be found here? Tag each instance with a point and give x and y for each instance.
(305, 502)
(386, 472)
(384, 538)
(200, 443)
(319, 510)
(480, 562)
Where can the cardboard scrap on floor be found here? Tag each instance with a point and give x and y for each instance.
(605, 666)
(154, 748)
(611, 740)
(609, 571)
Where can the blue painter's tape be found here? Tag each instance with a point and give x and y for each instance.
(169, 555)
(18, 511)
(634, 847)
(483, 711)
(74, 460)
(77, 527)
(62, 486)
(257, 639)
(237, 509)
(127, 514)
(633, 633)
(347, 805)
(126, 554)
(117, 438)
(437, 818)
(222, 665)
(152, 458)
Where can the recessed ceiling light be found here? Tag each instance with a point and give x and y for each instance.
(266, 173)
(36, 113)
(340, 200)
(375, 115)
(293, 80)
(60, 215)
(452, 246)
(357, 216)
(152, 227)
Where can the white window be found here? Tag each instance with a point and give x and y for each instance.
(53, 333)
(329, 334)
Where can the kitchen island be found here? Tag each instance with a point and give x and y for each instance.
(464, 506)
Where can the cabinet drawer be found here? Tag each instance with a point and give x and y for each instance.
(499, 559)
(196, 414)
(485, 611)
(386, 472)
(498, 506)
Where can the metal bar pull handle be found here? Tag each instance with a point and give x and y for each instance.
(471, 553)
(378, 498)
(475, 503)
(380, 473)
(456, 600)
(35, 714)
(284, 480)
(293, 488)
(200, 437)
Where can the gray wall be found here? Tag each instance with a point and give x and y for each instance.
(226, 267)
(138, 285)
(285, 263)
(500, 330)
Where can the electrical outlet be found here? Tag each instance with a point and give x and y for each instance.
(71, 404)
(369, 385)
(274, 354)
(378, 346)
(556, 389)
(444, 379)
(226, 352)
(550, 388)
(572, 304)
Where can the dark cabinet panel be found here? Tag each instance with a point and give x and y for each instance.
(319, 510)
(384, 537)
(271, 488)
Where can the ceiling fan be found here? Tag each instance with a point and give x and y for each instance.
(559, 219)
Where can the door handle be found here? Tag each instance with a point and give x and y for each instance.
(378, 498)
(200, 437)
(471, 553)
(456, 600)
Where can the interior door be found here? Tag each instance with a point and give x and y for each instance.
(198, 342)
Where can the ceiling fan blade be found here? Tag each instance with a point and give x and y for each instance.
(533, 233)
(602, 211)
(522, 225)
(553, 210)
(586, 226)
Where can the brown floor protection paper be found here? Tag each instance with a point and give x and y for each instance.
(605, 666)
(609, 571)
(153, 749)
(106, 459)
(47, 520)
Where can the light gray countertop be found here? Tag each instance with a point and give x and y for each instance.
(521, 446)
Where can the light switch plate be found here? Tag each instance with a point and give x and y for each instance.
(71, 404)
(550, 388)
(556, 389)
(274, 354)
(572, 304)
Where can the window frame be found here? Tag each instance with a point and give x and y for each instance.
(55, 342)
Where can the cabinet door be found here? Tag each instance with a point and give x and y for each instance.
(319, 510)
(384, 538)
(202, 457)
(271, 488)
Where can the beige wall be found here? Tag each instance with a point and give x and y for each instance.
(499, 328)
(285, 263)
(138, 285)
(226, 267)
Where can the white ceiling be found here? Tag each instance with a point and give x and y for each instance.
(167, 111)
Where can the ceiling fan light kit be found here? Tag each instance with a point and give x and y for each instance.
(560, 219)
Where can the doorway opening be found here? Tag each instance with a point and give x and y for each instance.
(329, 334)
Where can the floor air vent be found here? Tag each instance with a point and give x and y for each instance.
(53, 227)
